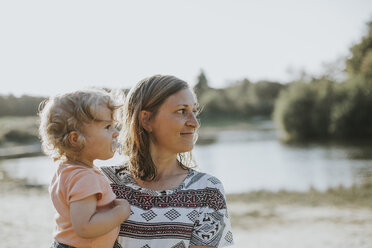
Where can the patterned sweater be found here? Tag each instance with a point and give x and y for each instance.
(194, 213)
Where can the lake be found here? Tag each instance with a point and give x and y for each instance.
(248, 160)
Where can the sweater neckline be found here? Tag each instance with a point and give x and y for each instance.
(134, 184)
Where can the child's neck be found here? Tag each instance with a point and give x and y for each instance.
(83, 162)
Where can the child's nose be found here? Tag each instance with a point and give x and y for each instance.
(115, 134)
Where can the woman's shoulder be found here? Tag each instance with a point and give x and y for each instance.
(198, 179)
(115, 173)
(208, 187)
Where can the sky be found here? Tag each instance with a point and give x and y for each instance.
(49, 46)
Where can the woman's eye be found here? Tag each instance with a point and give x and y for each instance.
(181, 111)
(108, 127)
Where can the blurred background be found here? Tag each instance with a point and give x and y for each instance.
(285, 87)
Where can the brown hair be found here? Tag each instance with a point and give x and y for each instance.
(64, 113)
(149, 94)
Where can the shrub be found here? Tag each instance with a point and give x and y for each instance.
(19, 136)
(302, 110)
(352, 112)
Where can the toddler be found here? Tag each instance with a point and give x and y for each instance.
(76, 128)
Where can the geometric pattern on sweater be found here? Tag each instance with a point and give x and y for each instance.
(210, 197)
(194, 213)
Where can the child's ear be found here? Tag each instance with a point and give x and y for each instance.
(73, 137)
(144, 120)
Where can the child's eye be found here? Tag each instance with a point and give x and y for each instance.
(108, 127)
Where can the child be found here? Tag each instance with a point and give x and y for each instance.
(77, 128)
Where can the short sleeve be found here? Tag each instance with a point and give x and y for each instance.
(212, 227)
(82, 185)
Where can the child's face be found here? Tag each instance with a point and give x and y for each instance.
(99, 136)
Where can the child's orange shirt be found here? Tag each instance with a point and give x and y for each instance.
(73, 183)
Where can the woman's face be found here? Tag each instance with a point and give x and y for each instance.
(173, 127)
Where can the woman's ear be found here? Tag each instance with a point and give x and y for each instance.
(73, 138)
(144, 120)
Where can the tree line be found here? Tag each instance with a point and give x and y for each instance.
(240, 100)
(25, 105)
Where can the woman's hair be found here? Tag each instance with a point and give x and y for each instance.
(149, 94)
(64, 113)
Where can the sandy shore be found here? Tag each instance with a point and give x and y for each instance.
(26, 220)
(301, 226)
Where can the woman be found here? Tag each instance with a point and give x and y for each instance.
(172, 205)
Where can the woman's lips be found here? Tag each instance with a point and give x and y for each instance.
(188, 133)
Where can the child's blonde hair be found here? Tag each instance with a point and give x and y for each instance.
(64, 113)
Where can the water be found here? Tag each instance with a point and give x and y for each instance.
(248, 160)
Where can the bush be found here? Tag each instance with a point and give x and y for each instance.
(302, 110)
(20, 136)
(215, 104)
(323, 109)
(352, 112)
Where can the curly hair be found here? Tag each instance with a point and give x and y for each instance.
(64, 113)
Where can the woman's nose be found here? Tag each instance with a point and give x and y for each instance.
(192, 121)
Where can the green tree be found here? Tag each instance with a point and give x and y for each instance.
(303, 110)
(241, 96)
(351, 115)
(202, 85)
(265, 94)
(360, 61)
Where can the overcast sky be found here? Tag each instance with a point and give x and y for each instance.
(50, 46)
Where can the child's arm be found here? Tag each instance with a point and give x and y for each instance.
(88, 223)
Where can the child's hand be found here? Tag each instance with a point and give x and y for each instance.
(122, 207)
(88, 223)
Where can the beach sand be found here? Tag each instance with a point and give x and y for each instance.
(26, 220)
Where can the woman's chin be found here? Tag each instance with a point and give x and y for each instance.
(186, 148)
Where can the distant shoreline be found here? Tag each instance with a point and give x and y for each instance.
(20, 151)
(207, 134)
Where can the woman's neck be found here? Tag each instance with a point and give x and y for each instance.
(166, 163)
